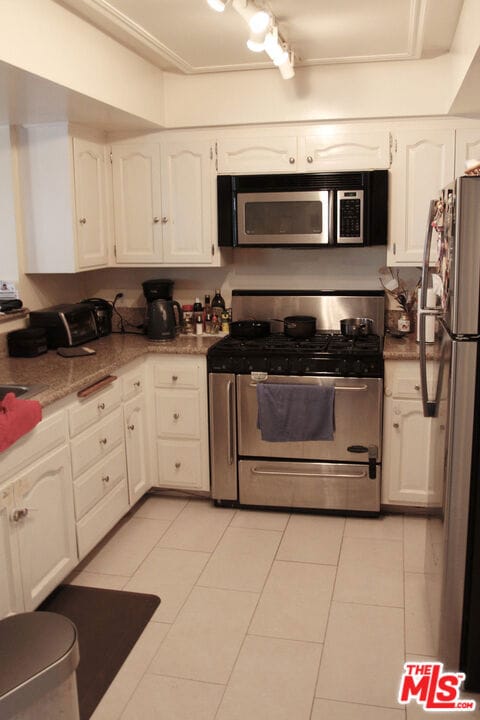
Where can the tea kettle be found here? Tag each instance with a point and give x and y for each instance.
(160, 319)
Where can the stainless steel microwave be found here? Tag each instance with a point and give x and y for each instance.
(303, 209)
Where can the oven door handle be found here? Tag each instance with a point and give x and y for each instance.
(291, 473)
(359, 388)
(229, 422)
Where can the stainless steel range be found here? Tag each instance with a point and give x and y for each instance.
(342, 473)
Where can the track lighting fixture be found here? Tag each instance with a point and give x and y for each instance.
(264, 35)
(218, 5)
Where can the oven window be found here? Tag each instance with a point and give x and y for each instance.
(292, 217)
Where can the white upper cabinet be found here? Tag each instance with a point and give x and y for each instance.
(137, 203)
(261, 153)
(467, 148)
(89, 162)
(164, 195)
(189, 201)
(336, 152)
(64, 199)
(423, 164)
(304, 151)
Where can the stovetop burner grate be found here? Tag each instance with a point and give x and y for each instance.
(330, 343)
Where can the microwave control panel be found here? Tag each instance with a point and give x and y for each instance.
(349, 217)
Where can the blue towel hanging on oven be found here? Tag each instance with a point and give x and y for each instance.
(295, 413)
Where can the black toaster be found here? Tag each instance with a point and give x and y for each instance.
(27, 343)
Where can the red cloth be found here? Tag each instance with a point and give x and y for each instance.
(17, 417)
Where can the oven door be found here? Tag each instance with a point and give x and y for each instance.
(283, 218)
(357, 416)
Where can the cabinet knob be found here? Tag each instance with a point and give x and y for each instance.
(82, 220)
(156, 219)
(178, 465)
(131, 427)
(416, 387)
(396, 425)
(176, 416)
(137, 384)
(291, 160)
(106, 478)
(19, 514)
(174, 378)
(310, 159)
(103, 441)
(101, 406)
(164, 220)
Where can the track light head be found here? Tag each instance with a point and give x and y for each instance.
(218, 5)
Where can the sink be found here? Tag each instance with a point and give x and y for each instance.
(23, 391)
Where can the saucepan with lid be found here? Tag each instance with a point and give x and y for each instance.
(356, 327)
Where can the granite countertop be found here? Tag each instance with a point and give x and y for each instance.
(407, 348)
(62, 376)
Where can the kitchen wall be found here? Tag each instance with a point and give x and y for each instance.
(250, 268)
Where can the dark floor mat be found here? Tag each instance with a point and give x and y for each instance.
(109, 622)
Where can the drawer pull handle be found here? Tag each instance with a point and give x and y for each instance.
(103, 441)
(101, 406)
(137, 384)
(106, 478)
(131, 427)
(174, 378)
(176, 416)
(178, 465)
(19, 514)
(396, 425)
(309, 159)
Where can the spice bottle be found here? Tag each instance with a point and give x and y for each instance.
(188, 319)
(218, 304)
(199, 325)
(404, 323)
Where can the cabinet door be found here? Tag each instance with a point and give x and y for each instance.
(10, 585)
(137, 203)
(138, 466)
(410, 455)
(46, 529)
(262, 153)
(423, 164)
(188, 198)
(467, 148)
(90, 203)
(334, 152)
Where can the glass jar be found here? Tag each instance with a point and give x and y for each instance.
(188, 320)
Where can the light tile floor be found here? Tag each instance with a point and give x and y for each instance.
(265, 615)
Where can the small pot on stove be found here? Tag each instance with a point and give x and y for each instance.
(356, 327)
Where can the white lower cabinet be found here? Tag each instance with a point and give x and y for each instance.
(43, 514)
(98, 465)
(181, 422)
(11, 599)
(412, 471)
(138, 466)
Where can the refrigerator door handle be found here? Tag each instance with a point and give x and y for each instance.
(429, 406)
(426, 254)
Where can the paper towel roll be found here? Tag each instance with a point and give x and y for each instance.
(430, 320)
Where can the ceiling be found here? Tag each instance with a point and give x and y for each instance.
(187, 36)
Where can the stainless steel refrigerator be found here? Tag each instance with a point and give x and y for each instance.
(451, 398)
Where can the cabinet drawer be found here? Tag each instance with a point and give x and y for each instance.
(178, 413)
(133, 383)
(176, 375)
(180, 464)
(402, 379)
(93, 485)
(89, 411)
(95, 525)
(95, 444)
(46, 436)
